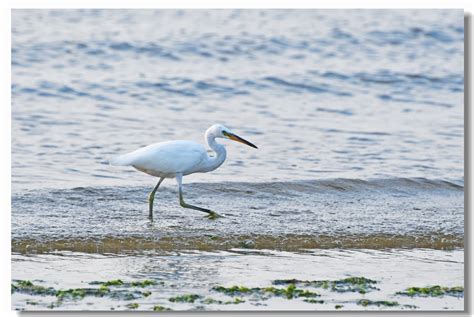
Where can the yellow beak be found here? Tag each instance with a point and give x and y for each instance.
(237, 138)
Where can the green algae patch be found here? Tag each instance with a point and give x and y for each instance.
(433, 291)
(27, 287)
(313, 301)
(24, 283)
(120, 283)
(113, 283)
(74, 293)
(235, 290)
(31, 302)
(104, 289)
(188, 298)
(79, 293)
(383, 303)
(338, 306)
(235, 301)
(356, 281)
(132, 305)
(379, 303)
(127, 295)
(210, 301)
(161, 308)
(144, 283)
(290, 292)
(361, 285)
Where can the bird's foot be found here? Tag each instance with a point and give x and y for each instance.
(213, 215)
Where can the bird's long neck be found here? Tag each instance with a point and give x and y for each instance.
(214, 162)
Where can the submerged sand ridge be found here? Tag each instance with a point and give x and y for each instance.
(342, 213)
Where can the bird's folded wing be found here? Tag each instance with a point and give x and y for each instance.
(165, 157)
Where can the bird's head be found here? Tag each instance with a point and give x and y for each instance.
(220, 131)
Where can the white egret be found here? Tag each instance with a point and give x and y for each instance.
(180, 158)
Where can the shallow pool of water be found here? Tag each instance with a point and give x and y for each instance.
(196, 273)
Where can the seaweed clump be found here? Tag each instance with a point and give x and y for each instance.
(290, 292)
(160, 308)
(132, 305)
(368, 302)
(188, 298)
(433, 291)
(119, 282)
(235, 290)
(361, 285)
(211, 300)
(27, 287)
(313, 301)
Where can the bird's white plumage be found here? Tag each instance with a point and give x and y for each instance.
(178, 158)
(165, 159)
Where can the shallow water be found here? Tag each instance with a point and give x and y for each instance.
(358, 116)
(309, 230)
(323, 93)
(287, 215)
(197, 272)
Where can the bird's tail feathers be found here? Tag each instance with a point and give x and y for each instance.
(121, 160)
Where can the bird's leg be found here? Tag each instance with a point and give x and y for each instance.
(179, 179)
(151, 198)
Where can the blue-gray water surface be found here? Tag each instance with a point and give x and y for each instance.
(323, 93)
